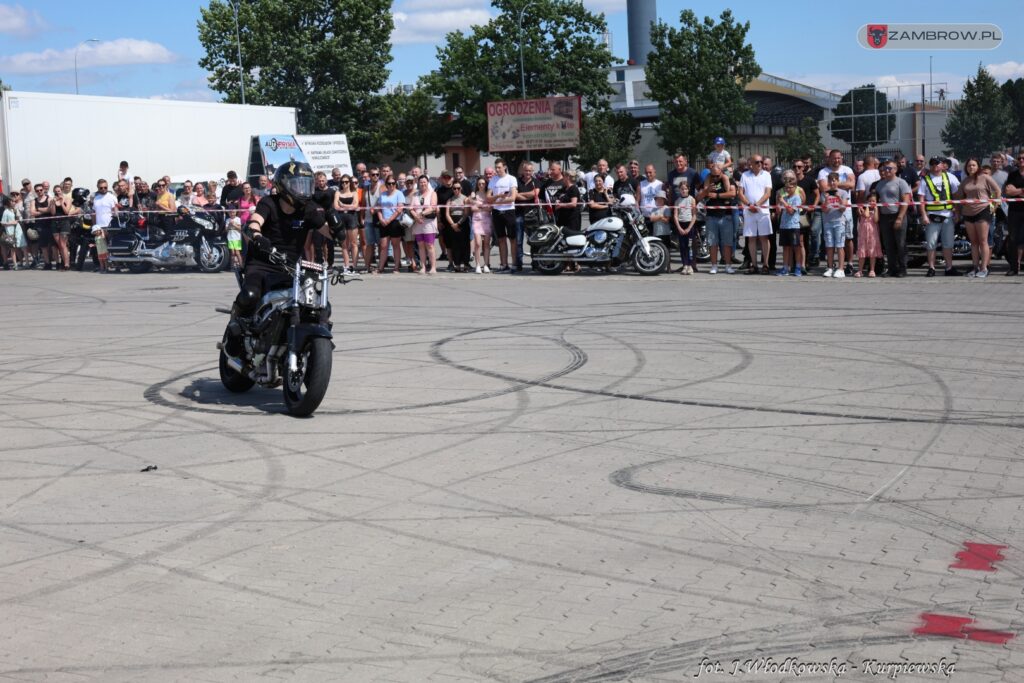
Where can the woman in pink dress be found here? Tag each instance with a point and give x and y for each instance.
(869, 247)
(481, 226)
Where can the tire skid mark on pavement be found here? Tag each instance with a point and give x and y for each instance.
(791, 639)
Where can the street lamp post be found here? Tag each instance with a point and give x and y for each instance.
(91, 40)
(238, 39)
(522, 70)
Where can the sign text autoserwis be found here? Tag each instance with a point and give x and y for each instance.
(885, 36)
(523, 125)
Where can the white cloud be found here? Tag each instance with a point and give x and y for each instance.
(1006, 70)
(16, 20)
(120, 52)
(431, 27)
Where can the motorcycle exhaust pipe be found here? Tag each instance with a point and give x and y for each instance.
(235, 364)
(577, 259)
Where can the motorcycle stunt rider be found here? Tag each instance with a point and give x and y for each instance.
(280, 221)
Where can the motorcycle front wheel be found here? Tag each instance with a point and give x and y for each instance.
(214, 260)
(653, 264)
(305, 388)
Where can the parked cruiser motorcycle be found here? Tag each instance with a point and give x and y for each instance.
(286, 338)
(612, 241)
(189, 239)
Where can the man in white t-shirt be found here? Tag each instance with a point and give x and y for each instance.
(104, 205)
(755, 189)
(601, 170)
(649, 187)
(847, 184)
(501, 194)
(869, 177)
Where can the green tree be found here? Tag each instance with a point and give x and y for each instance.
(607, 135)
(981, 121)
(697, 74)
(408, 125)
(800, 141)
(324, 57)
(863, 118)
(562, 55)
(1014, 93)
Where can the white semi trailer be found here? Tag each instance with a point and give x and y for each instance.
(45, 136)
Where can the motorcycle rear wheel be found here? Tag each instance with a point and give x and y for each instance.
(233, 381)
(137, 268)
(305, 389)
(549, 267)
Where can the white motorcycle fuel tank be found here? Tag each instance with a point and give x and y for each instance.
(610, 224)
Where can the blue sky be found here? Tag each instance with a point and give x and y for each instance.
(151, 49)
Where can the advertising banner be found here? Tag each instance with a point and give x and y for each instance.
(326, 152)
(270, 151)
(523, 125)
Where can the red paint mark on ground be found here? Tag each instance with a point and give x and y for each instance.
(979, 557)
(948, 626)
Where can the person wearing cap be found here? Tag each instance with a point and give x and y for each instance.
(232, 191)
(660, 216)
(720, 155)
(936, 191)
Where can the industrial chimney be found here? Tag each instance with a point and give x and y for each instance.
(640, 14)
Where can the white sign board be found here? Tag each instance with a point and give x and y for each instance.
(326, 152)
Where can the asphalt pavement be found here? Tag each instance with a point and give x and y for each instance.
(518, 478)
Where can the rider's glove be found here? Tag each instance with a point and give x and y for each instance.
(262, 243)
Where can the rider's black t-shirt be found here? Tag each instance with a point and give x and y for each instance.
(284, 230)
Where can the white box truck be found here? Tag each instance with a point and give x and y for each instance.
(46, 136)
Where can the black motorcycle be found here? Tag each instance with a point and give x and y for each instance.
(608, 243)
(286, 340)
(184, 240)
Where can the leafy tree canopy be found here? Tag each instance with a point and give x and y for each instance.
(863, 118)
(562, 55)
(982, 121)
(697, 74)
(326, 58)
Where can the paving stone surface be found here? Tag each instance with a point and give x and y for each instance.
(517, 478)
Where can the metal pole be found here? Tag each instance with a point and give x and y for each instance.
(238, 38)
(929, 78)
(91, 40)
(522, 69)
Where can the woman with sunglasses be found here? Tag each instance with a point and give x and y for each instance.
(389, 209)
(348, 218)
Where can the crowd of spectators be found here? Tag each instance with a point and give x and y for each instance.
(844, 220)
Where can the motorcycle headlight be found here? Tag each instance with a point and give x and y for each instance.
(310, 295)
